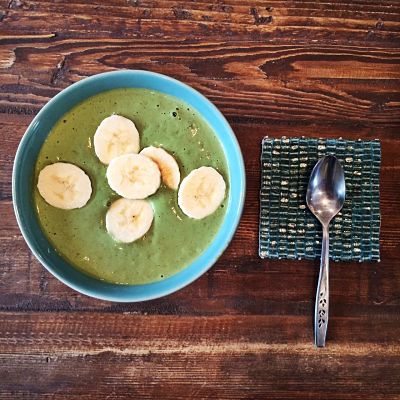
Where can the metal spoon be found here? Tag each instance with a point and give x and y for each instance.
(325, 197)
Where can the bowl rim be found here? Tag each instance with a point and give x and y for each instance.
(18, 163)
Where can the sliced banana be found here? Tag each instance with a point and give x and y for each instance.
(115, 136)
(133, 176)
(201, 192)
(64, 185)
(166, 163)
(128, 220)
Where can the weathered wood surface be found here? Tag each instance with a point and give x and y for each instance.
(243, 330)
(90, 355)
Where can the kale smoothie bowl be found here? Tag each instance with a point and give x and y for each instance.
(131, 187)
(158, 121)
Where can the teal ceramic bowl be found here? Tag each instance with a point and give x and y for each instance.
(23, 184)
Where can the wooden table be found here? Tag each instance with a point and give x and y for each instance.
(243, 330)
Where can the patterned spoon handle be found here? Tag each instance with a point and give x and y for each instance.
(322, 296)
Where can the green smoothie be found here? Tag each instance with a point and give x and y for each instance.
(174, 240)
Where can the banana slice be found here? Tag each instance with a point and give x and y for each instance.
(128, 220)
(201, 192)
(64, 185)
(115, 136)
(133, 176)
(166, 163)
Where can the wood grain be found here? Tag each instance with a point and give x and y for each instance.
(250, 357)
(267, 75)
(244, 329)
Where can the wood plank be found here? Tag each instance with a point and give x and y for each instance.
(124, 356)
(340, 21)
(294, 72)
(358, 84)
(281, 289)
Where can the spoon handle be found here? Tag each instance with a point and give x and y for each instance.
(322, 296)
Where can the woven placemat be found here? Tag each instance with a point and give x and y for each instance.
(287, 227)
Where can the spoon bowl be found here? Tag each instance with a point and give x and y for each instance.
(326, 189)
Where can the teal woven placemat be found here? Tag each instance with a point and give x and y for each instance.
(287, 227)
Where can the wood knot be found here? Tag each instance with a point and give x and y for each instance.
(135, 3)
(258, 19)
(379, 25)
(60, 70)
(146, 13)
(15, 4)
(180, 13)
(221, 7)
